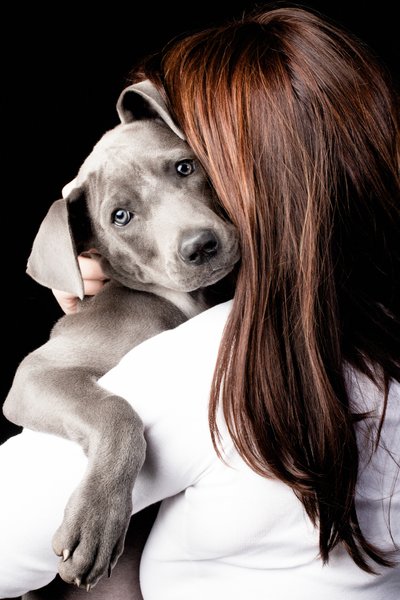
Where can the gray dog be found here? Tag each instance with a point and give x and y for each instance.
(144, 203)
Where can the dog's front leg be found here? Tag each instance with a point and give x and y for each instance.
(55, 391)
(67, 401)
(91, 536)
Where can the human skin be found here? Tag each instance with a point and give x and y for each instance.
(93, 279)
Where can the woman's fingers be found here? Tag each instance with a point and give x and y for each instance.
(68, 302)
(90, 269)
(93, 280)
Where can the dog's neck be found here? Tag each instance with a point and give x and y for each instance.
(193, 303)
(190, 303)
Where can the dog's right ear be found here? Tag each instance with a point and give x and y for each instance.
(143, 101)
(53, 261)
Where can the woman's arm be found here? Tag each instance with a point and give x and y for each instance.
(38, 473)
(167, 380)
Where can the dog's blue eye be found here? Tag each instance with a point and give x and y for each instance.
(185, 167)
(121, 217)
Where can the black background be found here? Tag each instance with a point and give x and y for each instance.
(63, 68)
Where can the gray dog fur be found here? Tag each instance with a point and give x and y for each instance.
(159, 264)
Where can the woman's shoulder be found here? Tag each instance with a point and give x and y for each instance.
(200, 333)
(214, 319)
(173, 365)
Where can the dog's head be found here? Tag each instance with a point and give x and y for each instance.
(143, 201)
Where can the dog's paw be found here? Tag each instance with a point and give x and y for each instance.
(92, 534)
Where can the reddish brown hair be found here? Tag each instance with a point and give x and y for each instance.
(298, 131)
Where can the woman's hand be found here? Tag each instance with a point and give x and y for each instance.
(93, 280)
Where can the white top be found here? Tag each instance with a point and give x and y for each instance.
(223, 532)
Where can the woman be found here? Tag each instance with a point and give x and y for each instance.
(296, 493)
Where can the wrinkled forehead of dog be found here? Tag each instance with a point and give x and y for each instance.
(147, 136)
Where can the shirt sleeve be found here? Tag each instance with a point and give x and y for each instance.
(167, 380)
(38, 472)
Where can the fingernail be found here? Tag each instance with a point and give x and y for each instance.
(88, 587)
(77, 582)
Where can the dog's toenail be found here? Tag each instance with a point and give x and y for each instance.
(66, 554)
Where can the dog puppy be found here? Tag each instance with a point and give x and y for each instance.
(143, 202)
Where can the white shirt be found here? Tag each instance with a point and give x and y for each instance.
(223, 532)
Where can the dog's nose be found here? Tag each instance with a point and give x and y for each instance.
(199, 246)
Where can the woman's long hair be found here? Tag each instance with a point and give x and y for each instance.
(298, 130)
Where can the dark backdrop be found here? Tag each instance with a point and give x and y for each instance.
(63, 69)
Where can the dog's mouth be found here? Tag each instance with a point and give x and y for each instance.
(201, 277)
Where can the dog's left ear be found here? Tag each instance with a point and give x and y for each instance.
(144, 101)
